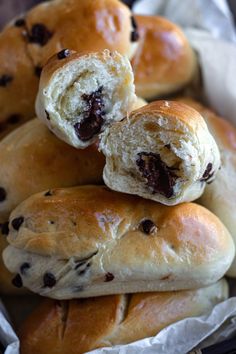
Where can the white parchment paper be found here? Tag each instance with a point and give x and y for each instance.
(209, 27)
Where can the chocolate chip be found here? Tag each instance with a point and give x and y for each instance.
(24, 267)
(82, 272)
(5, 228)
(14, 118)
(63, 54)
(134, 23)
(49, 280)
(207, 174)
(93, 117)
(160, 178)
(109, 277)
(48, 194)
(17, 281)
(5, 80)
(134, 36)
(167, 146)
(148, 226)
(38, 70)
(52, 222)
(20, 22)
(47, 115)
(17, 222)
(39, 34)
(3, 194)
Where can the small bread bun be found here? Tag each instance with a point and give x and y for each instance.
(32, 159)
(164, 61)
(78, 326)
(81, 94)
(29, 41)
(162, 152)
(220, 196)
(90, 241)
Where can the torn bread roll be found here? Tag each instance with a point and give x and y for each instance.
(28, 41)
(90, 241)
(82, 94)
(162, 152)
(59, 327)
(220, 196)
(164, 61)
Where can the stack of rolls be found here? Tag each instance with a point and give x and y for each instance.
(97, 194)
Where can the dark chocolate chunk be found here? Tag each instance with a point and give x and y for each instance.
(5, 228)
(49, 280)
(20, 22)
(82, 272)
(39, 34)
(63, 54)
(17, 222)
(47, 115)
(134, 23)
(52, 222)
(167, 146)
(24, 267)
(5, 80)
(148, 226)
(109, 277)
(3, 194)
(207, 174)
(160, 178)
(92, 121)
(38, 70)
(14, 118)
(48, 194)
(17, 281)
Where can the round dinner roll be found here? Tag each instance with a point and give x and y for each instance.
(164, 61)
(78, 326)
(32, 159)
(162, 151)
(82, 94)
(30, 40)
(90, 241)
(220, 196)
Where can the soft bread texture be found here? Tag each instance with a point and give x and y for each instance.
(220, 196)
(81, 94)
(29, 41)
(140, 102)
(32, 159)
(78, 326)
(162, 152)
(91, 241)
(164, 61)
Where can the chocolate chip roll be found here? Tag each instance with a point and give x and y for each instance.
(32, 159)
(220, 196)
(90, 241)
(162, 151)
(164, 61)
(81, 94)
(30, 40)
(117, 319)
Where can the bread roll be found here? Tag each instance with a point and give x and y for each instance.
(30, 40)
(220, 196)
(78, 326)
(162, 152)
(164, 61)
(32, 159)
(90, 241)
(81, 94)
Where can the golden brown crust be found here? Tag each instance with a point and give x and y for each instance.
(164, 61)
(48, 28)
(78, 326)
(33, 159)
(95, 215)
(222, 130)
